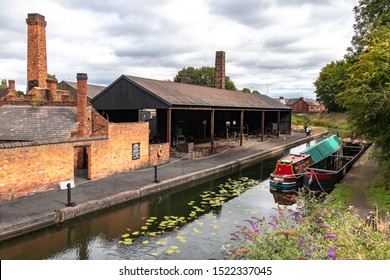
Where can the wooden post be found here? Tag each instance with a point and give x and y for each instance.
(241, 126)
(212, 131)
(169, 126)
(262, 125)
(277, 132)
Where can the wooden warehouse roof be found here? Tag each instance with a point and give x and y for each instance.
(129, 92)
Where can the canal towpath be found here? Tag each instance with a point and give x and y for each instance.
(25, 214)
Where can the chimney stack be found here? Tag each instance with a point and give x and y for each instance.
(11, 85)
(36, 51)
(82, 104)
(219, 78)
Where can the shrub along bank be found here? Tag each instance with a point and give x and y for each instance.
(314, 228)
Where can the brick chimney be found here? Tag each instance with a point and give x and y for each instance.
(52, 85)
(36, 51)
(219, 78)
(82, 104)
(11, 85)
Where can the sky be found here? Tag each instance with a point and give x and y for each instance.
(277, 47)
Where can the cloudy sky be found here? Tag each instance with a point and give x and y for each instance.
(277, 47)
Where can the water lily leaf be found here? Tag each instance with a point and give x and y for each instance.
(125, 235)
(154, 254)
(152, 233)
(135, 233)
(200, 223)
(197, 230)
(213, 234)
(174, 247)
(144, 227)
(145, 242)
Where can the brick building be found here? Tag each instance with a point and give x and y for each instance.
(303, 105)
(48, 135)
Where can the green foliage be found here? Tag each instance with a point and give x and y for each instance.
(203, 76)
(369, 15)
(51, 76)
(367, 94)
(316, 229)
(330, 83)
(246, 90)
(3, 83)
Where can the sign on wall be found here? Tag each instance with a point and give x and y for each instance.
(136, 151)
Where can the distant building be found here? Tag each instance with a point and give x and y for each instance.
(93, 90)
(303, 105)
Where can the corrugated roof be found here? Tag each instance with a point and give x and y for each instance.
(324, 148)
(27, 123)
(179, 94)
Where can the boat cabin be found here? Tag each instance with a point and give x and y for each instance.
(292, 164)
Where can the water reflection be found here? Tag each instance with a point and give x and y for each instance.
(98, 235)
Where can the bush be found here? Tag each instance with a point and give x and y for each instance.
(314, 228)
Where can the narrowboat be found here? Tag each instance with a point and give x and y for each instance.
(289, 170)
(288, 173)
(323, 175)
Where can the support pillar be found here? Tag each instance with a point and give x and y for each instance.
(169, 126)
(262, 125)
(212, 131)
(241, 126)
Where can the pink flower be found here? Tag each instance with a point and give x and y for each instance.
(331, 253)
(330, 235)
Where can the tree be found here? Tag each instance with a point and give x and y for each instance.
(3, 83)
(203, 76)
(52, 76)
(367, 91)
(330, 83)
(246, 90)
(369, 15)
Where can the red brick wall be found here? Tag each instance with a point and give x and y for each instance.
(26, 170)
(115, 154)
(154, 158)
(38, 167)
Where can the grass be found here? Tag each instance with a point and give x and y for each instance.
(342, 192)
(334, 122)
(380, 197)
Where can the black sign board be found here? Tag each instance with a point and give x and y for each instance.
(136, 151)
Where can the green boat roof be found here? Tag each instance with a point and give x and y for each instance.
(324, 148)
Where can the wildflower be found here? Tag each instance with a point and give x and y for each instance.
(254, 226)
(320, 220)
(312, 248)
(272, 224)
(331, 253)
(330, 235)
(306, 253)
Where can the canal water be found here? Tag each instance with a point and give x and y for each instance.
(195, 223)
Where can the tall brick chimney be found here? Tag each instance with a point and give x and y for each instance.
(36, 51)
(219, 78)
(82, 104)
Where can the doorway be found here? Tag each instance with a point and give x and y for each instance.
(82, 165)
